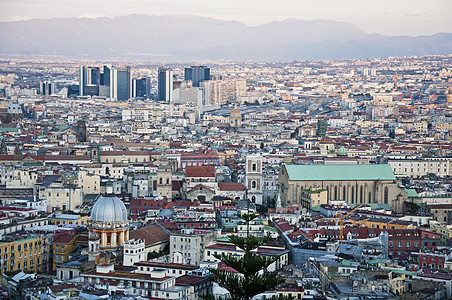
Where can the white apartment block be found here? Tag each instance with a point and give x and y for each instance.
(420, 167)
(221, 91)
(18, 178)
(133, 252)
(187, 246)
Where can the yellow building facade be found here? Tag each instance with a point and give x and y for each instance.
(21, 255)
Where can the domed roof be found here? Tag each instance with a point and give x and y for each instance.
(342, 151)
(236, 113)
(109, 209)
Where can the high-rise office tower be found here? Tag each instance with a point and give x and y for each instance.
(141, 87)
(165, 84)
(120, 83)
(104, 87)
(47, 88)
(89, 81)
(82, 80)
(197, 74)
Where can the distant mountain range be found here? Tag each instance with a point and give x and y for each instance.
(199, 38)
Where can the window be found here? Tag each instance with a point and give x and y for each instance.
(253, 184)
(361, 195)
(254, 168)
(399, 244)
(386, 197)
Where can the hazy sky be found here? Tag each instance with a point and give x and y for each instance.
(390, 17)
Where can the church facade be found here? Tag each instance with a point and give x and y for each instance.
(355, 184)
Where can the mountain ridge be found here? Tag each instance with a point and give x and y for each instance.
(194, 37)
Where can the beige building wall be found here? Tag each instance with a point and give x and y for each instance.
(89, 183)
(221, 91)
(22, 179)
(418, 168)
(64, 198)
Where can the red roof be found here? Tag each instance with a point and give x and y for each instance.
(150, 234)
(64, 239)
(200, 171)
(189, 280)
(224, 267)
(231, 186)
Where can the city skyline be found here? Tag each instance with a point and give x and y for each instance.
(384, 17)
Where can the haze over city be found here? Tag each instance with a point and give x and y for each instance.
(402, 17)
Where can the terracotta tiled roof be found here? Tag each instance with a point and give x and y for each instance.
(64, 239)
(200, 171)
(189, 280)
(231, 186)
(150, 234)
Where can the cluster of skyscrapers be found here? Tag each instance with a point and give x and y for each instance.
(111, 82)
(195, 74)
(117, 83)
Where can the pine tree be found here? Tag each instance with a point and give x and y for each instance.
(253, 277)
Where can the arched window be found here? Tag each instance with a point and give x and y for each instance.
(353, 194)
(253, 199)
(386, 200)
(370, 197)
(253, 184)
(161, 180)
(361, 196)
(167, 180)
(327, 192)
(344, 193)
(335, 192)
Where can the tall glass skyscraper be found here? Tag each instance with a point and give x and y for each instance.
(89, 81)
(165, 84)
(197, 74)
(120, 83)
(141, 87)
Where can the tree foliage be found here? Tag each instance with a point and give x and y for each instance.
(253, 276)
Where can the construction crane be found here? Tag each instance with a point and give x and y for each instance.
(341, 221)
